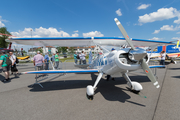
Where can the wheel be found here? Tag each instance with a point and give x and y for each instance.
(89, 97)
(135, 91)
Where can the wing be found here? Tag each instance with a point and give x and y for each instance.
(146, 43)
(83, 41)
(62, 71)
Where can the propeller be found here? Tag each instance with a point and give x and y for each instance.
(139, 55)
(149, 73)
(121, 28)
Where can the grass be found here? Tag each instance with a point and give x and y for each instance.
(66, 59)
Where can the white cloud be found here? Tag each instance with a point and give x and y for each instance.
(76, 31)
(160, 14)
(93, 34)
(169, 28)
(143, 6)
(178, 33)
(177, 21)
(43, 32)
(155, 38)
(75, 35)
(52, 32)
(118, 12)
(156, 31)
(176, 38)
(1, 24)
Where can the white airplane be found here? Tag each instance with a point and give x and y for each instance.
(116, 63)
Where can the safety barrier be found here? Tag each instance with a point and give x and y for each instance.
(154, 70)
(46, 66)
(70, 64)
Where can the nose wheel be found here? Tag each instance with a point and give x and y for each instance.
(135, 91)
(90, 88)
(89, 97)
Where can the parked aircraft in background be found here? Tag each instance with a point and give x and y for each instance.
(171, 50)
(23, 58)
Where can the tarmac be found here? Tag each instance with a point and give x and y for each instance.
(64, 97)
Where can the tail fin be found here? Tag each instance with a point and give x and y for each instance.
(177, 44)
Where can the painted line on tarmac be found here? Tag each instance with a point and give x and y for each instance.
(160, 92)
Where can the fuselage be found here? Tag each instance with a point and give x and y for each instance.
(115, 63)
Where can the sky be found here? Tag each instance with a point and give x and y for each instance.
(142, 19)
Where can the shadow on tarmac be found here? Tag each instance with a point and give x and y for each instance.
(108, 89)
(176, 76)
(174, 68)
(22, 64)
(11, 78)
(27, 68)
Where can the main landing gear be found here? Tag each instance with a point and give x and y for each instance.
(134, 86)
(90, 88)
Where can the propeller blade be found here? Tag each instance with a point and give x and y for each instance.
(149, 73)
(121, 28)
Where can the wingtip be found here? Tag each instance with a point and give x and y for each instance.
(22, 73)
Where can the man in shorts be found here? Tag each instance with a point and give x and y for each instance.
(38, 61)
(13, 66)
(5, 67)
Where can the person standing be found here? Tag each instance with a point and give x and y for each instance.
(82, 57)
(79, 58)
(56, 61)
(53, 59)
(46, 60)
(38, 61)
(4, 66)
(75, 58)
(13, 60)
(163, 57)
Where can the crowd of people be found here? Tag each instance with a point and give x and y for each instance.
(80, 57)
(8, 63)
(43, 62)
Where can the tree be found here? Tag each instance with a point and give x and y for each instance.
(62, 49)
(71, 51)
(59, 49)
(39, 49)
(24, 51)
(3, 43)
